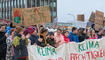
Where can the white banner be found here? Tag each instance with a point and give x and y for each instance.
(87, 50)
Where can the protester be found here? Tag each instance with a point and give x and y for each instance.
(82, 35)
(65, 35)
(93, 35)
(42, 41)
(10, 49)
(50, 39)
(20, 42)
(34, 36)
(3, 44)
(73, 35)
(58, 37)
(100, 34)
(9, 28)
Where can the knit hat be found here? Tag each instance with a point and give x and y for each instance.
(31, 29)
(26, 32)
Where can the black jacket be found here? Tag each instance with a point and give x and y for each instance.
(51, 42)
(33, 39)
(3, 44)
(21, 49)
(42, 44)
(82, 37)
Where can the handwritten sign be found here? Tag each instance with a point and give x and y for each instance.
(31, 16)
(86, 50)
(17, 16)
(38, 15)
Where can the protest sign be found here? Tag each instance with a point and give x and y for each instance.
(99, 20)
(38, 15)
(17, 17)
(46, 53)
(92, 17)
(80, 17)
(31, 16)
(86, 50)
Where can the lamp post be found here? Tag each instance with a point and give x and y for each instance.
(71, 15)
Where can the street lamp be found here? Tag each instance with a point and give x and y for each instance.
(71, 15)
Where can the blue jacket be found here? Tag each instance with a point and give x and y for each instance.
(8, 30)
(73, 37)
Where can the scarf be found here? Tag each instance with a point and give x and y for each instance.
(16, 41)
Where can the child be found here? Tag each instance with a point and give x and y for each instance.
(65, 35)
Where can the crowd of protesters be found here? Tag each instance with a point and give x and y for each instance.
(14, 40)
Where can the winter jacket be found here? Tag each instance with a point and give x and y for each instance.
(66, 39)
(42, 44)
(82, 37)
(51, 41)
(33, 39)
(10, 49)
(96, 37)
(8, 30)
(73, 37)
(100, 36)
(58, 39)
(20, 49)
(3, 44)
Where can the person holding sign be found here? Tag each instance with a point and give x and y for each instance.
(65, 35)
(73, 35)
(42, 41)
(58, 37)
(20, 43)
(93, 35)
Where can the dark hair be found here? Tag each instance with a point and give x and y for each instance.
(11, 25)
(51, 33)
(43, 30)
(65, 31)
(12, 30)
(74, 28)
(2, 25)
(101, 29)
(59, 29)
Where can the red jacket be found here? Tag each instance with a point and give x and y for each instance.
(66, 39)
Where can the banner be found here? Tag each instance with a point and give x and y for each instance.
(46, 53)
(38, 15)
(31, 16)
(87, 50)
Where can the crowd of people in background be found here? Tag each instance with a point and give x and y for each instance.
(14, 40)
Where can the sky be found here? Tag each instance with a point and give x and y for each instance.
(74, 7)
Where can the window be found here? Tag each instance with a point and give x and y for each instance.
(46, 2)
(33, 3)
(3, 4)
(12, 3)
(0, 5)
(41, 2)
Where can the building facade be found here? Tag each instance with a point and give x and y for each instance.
(6, 6)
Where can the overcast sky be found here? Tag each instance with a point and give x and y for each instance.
(79, 7)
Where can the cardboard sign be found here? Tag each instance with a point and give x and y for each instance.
(99, 20)
(17, 17)
(80, 17)
(38, 15)
(92, 17)
(31, 16)
(86, 50)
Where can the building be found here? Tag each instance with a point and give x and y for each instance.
(6, 6)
